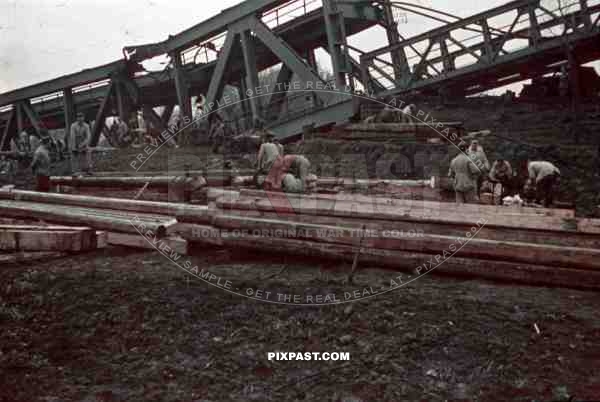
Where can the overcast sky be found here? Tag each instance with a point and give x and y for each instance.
(43, 39)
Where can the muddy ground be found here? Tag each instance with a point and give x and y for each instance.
(123, 325)
(118, 325)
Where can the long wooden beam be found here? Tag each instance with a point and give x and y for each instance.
(120, 204)
(418, 263)
(99, 219)
(417, 215)
(189, 183)
(578, 257)
(47, 240)
(430, 205)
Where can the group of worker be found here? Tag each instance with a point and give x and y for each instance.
(279, 172)
(46, 146)
(470, 168)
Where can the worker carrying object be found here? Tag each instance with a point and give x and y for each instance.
(465, 174)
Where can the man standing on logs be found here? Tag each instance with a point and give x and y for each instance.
(544, 176)
(41, 164)
(465, 174)
(79, 140)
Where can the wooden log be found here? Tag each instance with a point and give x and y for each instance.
(175, 244)
(401, 127)
(385, 212)
(419, 263)
(169, 172)
(89, 239)
(471, 246)
(538, 236)
(40, 240)
(189, 183)
(120, 204)
(433, 205)
(23, 257)
(98, 219)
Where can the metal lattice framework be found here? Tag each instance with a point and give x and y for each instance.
(521, 39)
(513, 42)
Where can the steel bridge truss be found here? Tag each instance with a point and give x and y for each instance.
(228, 49)
(510, 43)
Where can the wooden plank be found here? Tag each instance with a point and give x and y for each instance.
(473, 247)
(47, 238)
(40, 240)
(384, 212)
(434, 205)
(538, 236)
(41, 227)
(120, 204)
(411, 261)
(30, 257)
(96, 218)
(189, 183)
(174, 243)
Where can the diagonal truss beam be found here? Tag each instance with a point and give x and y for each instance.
(8, 133)
(101, 115)
(248, 49)
(217, 83)
(287, 55)
(33, 117)
(279, 91)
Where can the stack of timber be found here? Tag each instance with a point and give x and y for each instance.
(127, 222)
(397, 133)
(528, 245)
(16, 238)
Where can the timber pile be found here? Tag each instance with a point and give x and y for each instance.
(398, 133)
(528, 245)
(16, 238)
(127, 222)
